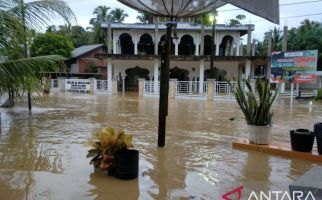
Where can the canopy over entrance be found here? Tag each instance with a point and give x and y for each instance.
(268, 9)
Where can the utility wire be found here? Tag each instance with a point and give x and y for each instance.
(286, 4)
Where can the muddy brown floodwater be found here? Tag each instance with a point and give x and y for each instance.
(42, 153)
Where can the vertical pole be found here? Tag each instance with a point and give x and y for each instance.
(249, 40)
(156, 35)
(201, 75)
(284, 49)
(292, 92)
(269, 52)
(164, 86)
(212, 73)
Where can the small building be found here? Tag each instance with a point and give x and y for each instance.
(84, 64)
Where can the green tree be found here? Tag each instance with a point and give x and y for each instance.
(118, 15)
(101, 14)
(237, 21)
(51, 44)
(18, 19)
(145, 18)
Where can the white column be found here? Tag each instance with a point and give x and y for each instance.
(156, 76)
(156, 35)
(237, 38)
(297, 88)
(201, 75)
(135, 47)
(249, 40)
(197, 50)
(176, 48)
(248, 67)
(217, 47)
(114, 45)
(292, 91)
(123, 83)
(109, 74)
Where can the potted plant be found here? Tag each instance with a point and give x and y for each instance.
(302, 140)
(111, 154)
(257, 110)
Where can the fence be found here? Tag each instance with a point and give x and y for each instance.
(190, 88)
(101, 85)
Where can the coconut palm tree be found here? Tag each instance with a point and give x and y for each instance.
(118, 15)
(17, 19)
(101, 14)
(145, 18)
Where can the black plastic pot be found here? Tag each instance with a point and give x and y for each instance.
(318, 135)
(302, 140)
(126, 164)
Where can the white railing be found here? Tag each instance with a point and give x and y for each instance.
(190, 87)
(225, 89)
(149, 87)
(101, 85)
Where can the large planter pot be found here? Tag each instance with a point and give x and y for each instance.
(302, 140)
(318, 135)
(126, 164)
(260, 134)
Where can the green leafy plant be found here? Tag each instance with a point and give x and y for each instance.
(104, 144)
(256, 110)
(319, 95)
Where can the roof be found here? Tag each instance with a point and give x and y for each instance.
(85, 49)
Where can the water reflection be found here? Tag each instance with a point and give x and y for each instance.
(42, 154)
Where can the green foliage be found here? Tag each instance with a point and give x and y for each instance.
(118, 15)
(237, 21)
(106, 142)
(51, 44)
(145, 18)
(319, 95)
(77, 34)
(256, 112)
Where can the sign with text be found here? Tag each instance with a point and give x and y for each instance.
(77, 85)
(294, 66)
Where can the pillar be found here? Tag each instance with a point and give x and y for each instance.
(237, 47)
(284, 49)
(176, 47)
(202, 35)
(197, 49)
(254, 47)
(114, 86)
(141, 86)
(217, 47)
(156, 35)
(249, 40)
(61, 84)
(210, 89)
(114, 45)
(269, 53)
(109, 74)
(248, 67)
(93, 86)
(135, 47)
(156, 76)
(201, 75)
(172, 88)
(123, 84)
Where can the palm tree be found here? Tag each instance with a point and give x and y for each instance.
(17, 19)
(145, 18)
(101, 14)
(118, 15)
(277, 39)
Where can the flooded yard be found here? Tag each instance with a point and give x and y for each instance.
(42, 153)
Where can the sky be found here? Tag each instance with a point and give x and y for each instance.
(290, 15)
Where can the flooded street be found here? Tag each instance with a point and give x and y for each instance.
(42, 153)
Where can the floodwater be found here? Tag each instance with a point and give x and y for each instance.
(42, 153)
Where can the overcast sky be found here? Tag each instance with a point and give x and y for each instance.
(83, 10)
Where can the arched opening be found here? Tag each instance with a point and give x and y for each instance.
(207, 45)
(186, 46)
(179, 74)
(226, 46)
(146, 45)
(161, 44)
(127, 45)
(132, 76)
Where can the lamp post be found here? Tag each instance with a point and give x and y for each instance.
(174, 9)
(213, 21)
